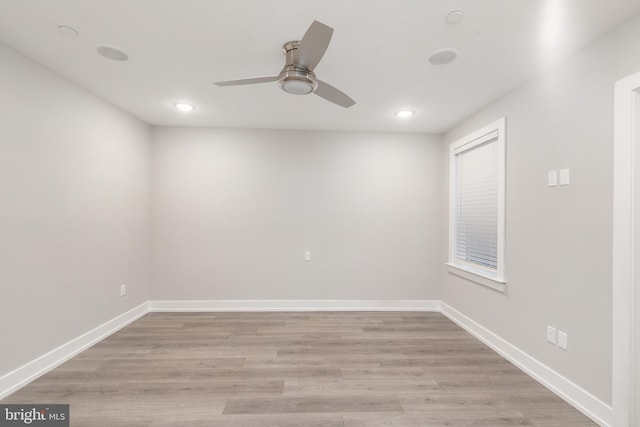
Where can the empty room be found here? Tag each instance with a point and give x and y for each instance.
(287, 213)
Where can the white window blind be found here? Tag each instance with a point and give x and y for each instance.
(476, 208)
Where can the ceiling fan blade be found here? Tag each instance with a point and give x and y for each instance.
(330, 93)
(313, 45)
(250, 81)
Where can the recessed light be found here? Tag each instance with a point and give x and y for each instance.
(443, 56)
(405, 114)
(112, 52)
(67, 31)
(184, 107)
(454, 17)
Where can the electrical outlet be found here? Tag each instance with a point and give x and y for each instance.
(551, 334)
(307, 255)
(123, 290)
(562, 340)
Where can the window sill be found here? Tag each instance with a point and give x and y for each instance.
(490, 282)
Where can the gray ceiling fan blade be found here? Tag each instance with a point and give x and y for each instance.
(330, 93)
(313, 45)
(250, 81)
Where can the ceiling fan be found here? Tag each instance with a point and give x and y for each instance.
(297, 76)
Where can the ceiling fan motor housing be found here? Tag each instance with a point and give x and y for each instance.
(296, 80)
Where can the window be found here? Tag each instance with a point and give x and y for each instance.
(477, 205)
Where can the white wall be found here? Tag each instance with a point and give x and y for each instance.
(559, 240)
(234, 211)
(73, 210)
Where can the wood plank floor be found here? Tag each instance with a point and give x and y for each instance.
(296, 370)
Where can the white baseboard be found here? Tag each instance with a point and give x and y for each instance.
(296, 305)
(23, 375)
(582, 400)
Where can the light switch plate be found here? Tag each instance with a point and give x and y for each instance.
(562, 340)
(564, 176)
(551, 334)
(307, 255)
(553, 178)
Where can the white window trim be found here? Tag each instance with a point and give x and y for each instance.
(461, 269)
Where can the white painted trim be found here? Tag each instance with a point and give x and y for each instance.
(476, 277)
(582, 400)
(597, 410)
(23, 375)
(499, 128)
(295, 305)
(623, 251)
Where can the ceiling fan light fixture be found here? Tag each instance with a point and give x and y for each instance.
(297, 86)
(297, 81)
(297, 76)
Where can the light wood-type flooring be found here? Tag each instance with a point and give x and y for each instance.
(325, 369)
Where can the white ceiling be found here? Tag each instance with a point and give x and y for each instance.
(378, 55)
